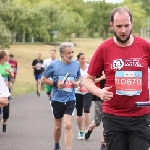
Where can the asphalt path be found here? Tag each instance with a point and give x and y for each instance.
(30, 126)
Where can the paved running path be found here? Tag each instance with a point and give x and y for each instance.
(30, 127)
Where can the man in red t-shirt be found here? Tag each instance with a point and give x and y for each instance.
(14, 66)
(125, 59)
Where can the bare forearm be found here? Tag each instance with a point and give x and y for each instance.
(11, 75)
(47, 81)
(91, 87)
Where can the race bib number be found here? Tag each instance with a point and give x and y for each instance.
(68, 84)
(128, 82)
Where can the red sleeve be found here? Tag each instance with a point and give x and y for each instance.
(97, 62)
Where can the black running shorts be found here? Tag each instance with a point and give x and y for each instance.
(126, 133)
(59, 108)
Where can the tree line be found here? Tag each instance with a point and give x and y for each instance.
(41, 20)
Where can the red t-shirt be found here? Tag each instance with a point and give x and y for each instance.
(13, 64)
(117, 62)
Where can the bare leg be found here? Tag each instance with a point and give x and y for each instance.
(68, 131)
(57, 129)
(39, 85)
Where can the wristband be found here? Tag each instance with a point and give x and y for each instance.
(55, 84)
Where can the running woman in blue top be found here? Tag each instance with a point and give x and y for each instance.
(65, 74)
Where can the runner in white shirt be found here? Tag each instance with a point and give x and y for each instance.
(83, 99)
(4, 93)
(45, 64)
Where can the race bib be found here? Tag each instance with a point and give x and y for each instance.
(68, 84)
(128, 82)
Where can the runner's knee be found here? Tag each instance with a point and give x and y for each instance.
(68, 125)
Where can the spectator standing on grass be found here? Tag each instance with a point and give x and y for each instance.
(63, 92)
(38, 70)
(125, 59)
(45, 64)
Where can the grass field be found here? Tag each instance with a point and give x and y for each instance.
(25, 54)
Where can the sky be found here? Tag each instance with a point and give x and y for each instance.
(112, 1)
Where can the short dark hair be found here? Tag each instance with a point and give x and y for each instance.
(11, 55)
(53, 50)
(78, 56)
(120, 10)
(2, 54)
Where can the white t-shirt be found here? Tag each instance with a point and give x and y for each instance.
(83, 74)
(46, 63)
(4, 92)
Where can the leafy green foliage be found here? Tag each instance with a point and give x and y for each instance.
(39, 18)
(5, 36)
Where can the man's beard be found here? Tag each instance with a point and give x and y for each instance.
(68, 59)
(119, 39)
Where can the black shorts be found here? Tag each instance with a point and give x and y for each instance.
(59, 108)
(83, 102)
(126, 133)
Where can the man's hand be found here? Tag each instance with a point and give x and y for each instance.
(105, 95)
(76, 84)
(60, 85)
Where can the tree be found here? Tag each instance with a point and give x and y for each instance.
(99, 18)
(5, 36)
(138, 14)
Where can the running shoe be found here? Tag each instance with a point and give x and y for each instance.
(4, 128)
(57, 148)
(80, 135)
(88, 133)
(38, 93)
(103, 146)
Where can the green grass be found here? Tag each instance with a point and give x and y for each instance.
(25, 53)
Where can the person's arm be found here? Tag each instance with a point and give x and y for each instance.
(78, 82)
(34, 65)
(9, 70)
(104, 93)
(11, 74)
(100, 78)
(45, 80)
(47, 74)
